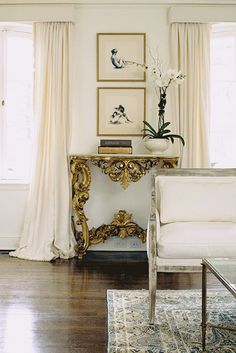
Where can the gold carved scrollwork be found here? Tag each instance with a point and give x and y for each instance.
(125, 170)
(81, 179)
(167, 163)
(122, 226)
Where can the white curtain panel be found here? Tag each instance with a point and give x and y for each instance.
(190, 52)
(47, 230)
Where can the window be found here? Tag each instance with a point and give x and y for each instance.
(16, 82)
(223, 96)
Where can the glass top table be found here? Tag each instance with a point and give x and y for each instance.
(225, 270)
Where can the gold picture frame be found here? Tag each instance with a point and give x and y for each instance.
(120, 111)
(116, 53)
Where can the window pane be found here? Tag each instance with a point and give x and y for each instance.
(223, 98)
(18, 107)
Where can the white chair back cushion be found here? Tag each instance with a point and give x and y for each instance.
(196, 198)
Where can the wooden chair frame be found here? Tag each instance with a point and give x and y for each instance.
(151, 229)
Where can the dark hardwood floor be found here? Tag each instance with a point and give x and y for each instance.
(60, 307)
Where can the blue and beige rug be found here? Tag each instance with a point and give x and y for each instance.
(178, 318)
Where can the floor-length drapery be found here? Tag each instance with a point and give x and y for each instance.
(47, 230)
(190, 52)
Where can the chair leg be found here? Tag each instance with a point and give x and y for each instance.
(152, 293)
(152, 272)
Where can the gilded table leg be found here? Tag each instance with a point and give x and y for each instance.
(204, 325)
(81, 180)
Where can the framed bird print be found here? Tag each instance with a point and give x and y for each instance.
(118, 55)
(120, 111)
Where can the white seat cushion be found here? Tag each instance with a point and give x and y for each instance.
(189, 240)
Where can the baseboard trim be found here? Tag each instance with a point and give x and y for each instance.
(9, 242)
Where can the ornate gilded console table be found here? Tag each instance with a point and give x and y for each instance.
(120, 168)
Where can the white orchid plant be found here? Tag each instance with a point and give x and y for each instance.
(163, 79)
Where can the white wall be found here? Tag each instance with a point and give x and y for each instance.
(90, 21)
(106, 197)
(12, 209)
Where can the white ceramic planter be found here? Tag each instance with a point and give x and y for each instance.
(156, 146)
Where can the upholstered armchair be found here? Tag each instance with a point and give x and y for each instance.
(193, 215)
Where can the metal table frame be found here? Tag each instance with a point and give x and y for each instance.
(206, 265)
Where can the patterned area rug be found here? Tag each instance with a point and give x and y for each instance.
(178, 318)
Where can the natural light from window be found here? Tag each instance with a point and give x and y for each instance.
(223, 96)
(16, 59)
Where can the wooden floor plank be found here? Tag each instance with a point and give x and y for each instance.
(60, 306)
